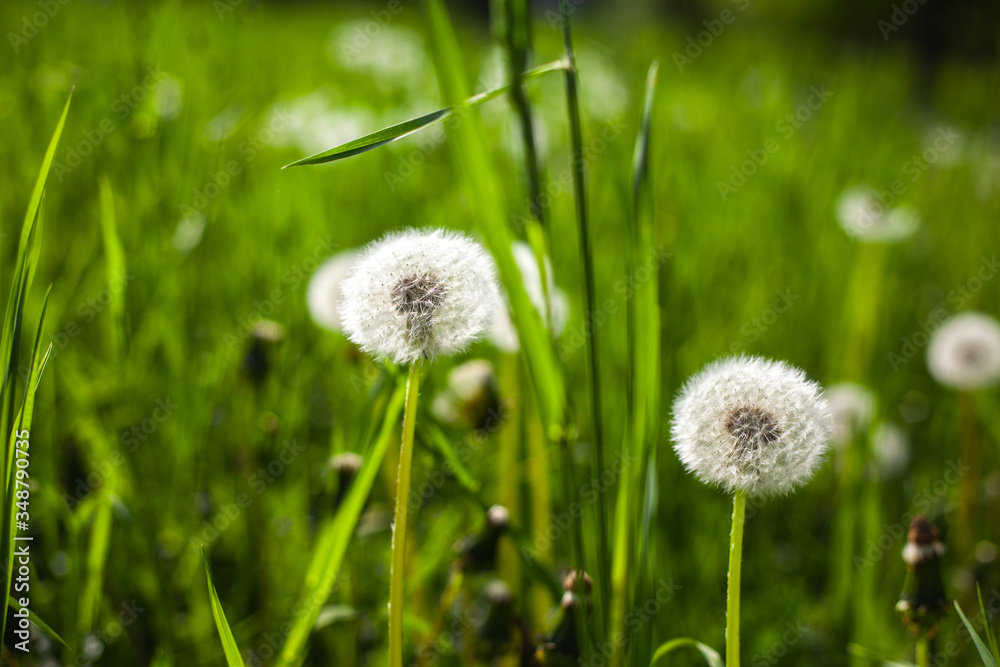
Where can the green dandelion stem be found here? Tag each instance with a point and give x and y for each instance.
(733, 601)
(923, 651)
(399, 526)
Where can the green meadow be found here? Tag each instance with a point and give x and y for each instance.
(176, 450)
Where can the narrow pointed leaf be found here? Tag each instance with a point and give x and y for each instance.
(229, 646)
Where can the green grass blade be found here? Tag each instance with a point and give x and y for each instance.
(115, 267)
(97, 555)
(707, 652)
(33, 617)
(390, 134)
(334, 539)
(987, 630)
(984, 651)
(229, 647)
(481, 185)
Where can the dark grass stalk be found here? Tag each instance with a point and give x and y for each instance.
(516, 29)
(580, 196)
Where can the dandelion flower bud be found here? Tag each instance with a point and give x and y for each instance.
(965, 352)
(502, 334)
(753, 425)
(257, 363)
(323, 294)
(419, 294)
(865, 218)
(923, 599)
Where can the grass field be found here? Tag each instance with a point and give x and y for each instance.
(170, 229)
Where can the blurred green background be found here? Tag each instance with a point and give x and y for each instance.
(188, 110)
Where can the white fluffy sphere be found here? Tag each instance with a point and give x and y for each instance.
(323, 292)
(964, 352)
(503, 334)
(419, 294)
(753, 425)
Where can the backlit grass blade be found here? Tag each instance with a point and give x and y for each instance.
(229, 647)
(22, 431)
(389, 134)
(334, 538)
(644, 382)
(984, 650)
(97, 555)
(33, 617)
(707, 652)
(114, 257)
(481, 186)
(991, 638)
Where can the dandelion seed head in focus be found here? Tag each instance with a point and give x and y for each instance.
(419, 294)
(753, 425)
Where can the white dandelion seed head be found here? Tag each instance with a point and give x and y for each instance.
(503, 334)
(891, 448)
(419, 294)
(753, 425)
(853, 406)
(323, 294)
(964, 353)
(865, 218)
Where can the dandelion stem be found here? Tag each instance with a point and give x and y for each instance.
(923, 650)
(733, 601)
(399, 526)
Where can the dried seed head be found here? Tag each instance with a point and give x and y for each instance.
(751, 424)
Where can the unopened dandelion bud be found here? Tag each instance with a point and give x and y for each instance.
(560, 645)
(922, 602)
(479, 550)
(496, 628)
(346, 467)
(264, 336)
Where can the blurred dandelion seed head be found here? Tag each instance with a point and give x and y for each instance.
(323, 294)
(864, 217)
(964, 353)
(751, 424)
(419, 294)
(503, 334)
(853, 406)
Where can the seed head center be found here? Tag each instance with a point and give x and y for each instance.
(753, 428)
(417, 297)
